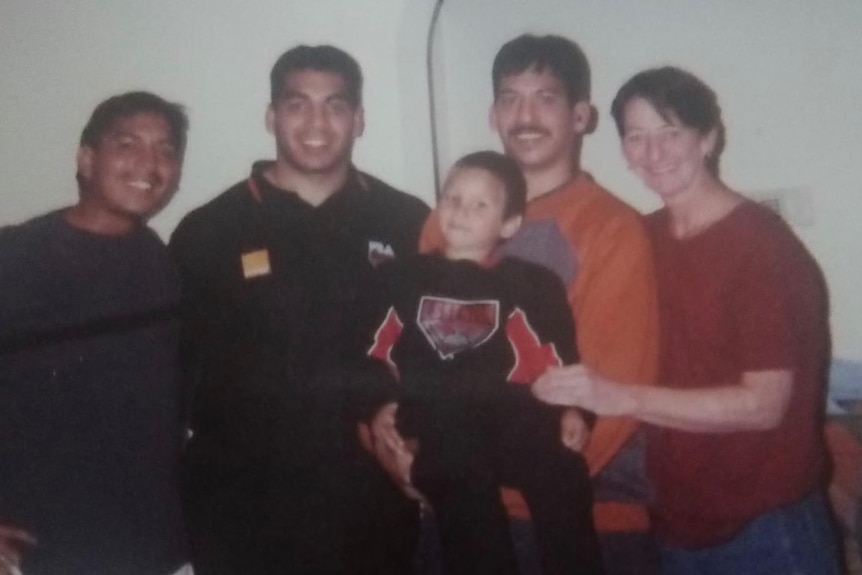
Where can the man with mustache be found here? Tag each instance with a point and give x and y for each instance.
(598, 246)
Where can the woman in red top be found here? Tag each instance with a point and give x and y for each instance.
(735, 451)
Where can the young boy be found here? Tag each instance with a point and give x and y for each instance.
(465, 332)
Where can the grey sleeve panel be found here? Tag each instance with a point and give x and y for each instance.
(541, 242)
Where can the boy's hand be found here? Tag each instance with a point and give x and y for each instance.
(574, 432)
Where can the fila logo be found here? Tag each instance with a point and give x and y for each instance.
(379, 253)
(452, 326)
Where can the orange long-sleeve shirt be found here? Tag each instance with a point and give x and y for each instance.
(611, 290)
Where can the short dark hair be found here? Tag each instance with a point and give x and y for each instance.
(675, 94)
(559, 55)
(504, 169)
(130, 104)
(324, 58)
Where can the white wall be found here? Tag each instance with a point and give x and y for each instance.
(59, 59)
(787, 72)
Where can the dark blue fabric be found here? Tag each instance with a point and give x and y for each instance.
(90, 430)
(797, 539)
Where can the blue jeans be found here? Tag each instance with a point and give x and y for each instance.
(795, 540)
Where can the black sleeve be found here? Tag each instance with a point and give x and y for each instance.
(193, 312)
(210, 351)
(371, 383)
(543, 298)
(374, 301)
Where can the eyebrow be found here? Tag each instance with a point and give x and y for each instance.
(293, 94)
(557, 91)
(121, 133)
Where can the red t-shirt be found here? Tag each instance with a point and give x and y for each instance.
(743, 295)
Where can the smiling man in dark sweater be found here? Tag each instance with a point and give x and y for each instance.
(90, 432)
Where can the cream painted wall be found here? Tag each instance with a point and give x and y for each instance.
(787, 72)
(59, 59)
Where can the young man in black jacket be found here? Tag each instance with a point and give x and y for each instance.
(272, 271)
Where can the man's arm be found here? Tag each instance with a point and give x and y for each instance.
(614, 301)
(374, 390)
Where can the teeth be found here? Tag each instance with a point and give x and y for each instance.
(140, 185)
(314, 143)
(529, 136)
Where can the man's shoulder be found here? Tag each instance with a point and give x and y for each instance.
(391, 217)
(388, 195)
(28, 234)
(603, 204)
(34, 225)
(212, 215)
(223, 203)
(529, 275)
(585, 210)
(150, 239)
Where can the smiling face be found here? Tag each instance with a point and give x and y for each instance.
(314, 123)
(472, 212)
(131, 172)
(538, 125)
(669, 157)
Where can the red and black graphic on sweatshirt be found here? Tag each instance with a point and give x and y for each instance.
(454, 326)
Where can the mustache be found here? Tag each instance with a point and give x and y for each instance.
(528, 129)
